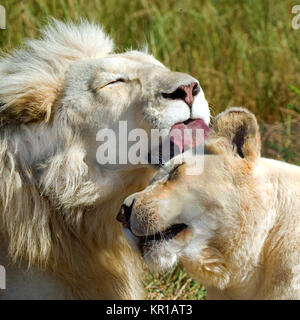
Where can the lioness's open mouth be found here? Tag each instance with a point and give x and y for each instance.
(167, 234)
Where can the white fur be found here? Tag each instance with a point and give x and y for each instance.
(57, 203)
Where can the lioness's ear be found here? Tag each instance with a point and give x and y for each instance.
(239, 128)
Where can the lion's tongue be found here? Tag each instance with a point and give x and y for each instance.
(182, 137)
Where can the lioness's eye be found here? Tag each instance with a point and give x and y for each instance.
(173, 175)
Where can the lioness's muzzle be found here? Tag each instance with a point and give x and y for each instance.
(124, 214)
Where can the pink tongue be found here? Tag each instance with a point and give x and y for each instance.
(197, 133)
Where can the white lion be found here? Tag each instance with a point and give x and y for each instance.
(59, 237)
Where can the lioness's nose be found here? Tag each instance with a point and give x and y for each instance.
(124, 214)
(185, 93)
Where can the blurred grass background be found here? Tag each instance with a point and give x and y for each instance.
(244, 52)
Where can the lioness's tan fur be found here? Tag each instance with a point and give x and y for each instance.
(242, 215)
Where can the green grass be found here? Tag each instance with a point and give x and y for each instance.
(174, 284)
(244, 52)
(281, 140)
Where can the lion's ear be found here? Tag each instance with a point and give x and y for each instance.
(239, 128)
(31, 78)
(35, 104)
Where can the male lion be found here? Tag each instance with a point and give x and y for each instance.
(235, 226)
(59, 237)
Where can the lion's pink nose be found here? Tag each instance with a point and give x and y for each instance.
(185, 93)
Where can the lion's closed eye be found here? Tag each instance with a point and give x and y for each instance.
(105, 80)
(115, 82)
(110, 83)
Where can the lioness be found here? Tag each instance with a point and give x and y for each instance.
(58, 233)
(235, 227)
